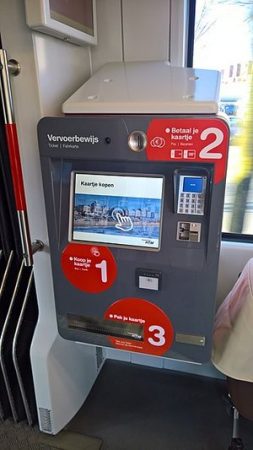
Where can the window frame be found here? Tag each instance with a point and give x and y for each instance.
(179, 13)
(182, 21)
(182, 24)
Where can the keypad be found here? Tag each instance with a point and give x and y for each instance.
(191, 204)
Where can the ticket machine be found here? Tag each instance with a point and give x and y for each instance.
(134, 185)
(134, 179)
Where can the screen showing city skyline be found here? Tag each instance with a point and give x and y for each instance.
(118, 219)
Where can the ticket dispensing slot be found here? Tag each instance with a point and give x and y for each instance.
(106, 327)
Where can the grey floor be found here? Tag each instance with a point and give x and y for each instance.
(138, 408)
(22, 437)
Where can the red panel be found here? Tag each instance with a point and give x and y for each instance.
(190, 140)
(88, 267)
(16, 170)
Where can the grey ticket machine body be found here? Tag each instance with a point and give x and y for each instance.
(134, 179)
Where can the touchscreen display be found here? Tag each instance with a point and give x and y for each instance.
(117, 209)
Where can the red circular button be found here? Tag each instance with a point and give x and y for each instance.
(88, 267)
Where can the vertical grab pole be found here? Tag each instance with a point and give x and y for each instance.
(14, 155)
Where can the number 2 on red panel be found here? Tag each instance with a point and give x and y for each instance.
(219, 136)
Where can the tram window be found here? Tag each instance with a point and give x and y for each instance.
(223, 40)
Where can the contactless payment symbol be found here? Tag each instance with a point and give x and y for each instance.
(143, 326)
(89, 268)
(158, 142)
(94, 251)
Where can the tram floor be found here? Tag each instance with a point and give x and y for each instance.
(22, 437)
(133, 407)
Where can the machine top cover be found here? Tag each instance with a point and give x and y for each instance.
(145, 87)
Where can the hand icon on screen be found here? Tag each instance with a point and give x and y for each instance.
(124, 222)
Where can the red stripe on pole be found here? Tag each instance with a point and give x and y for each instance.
(16, 170)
